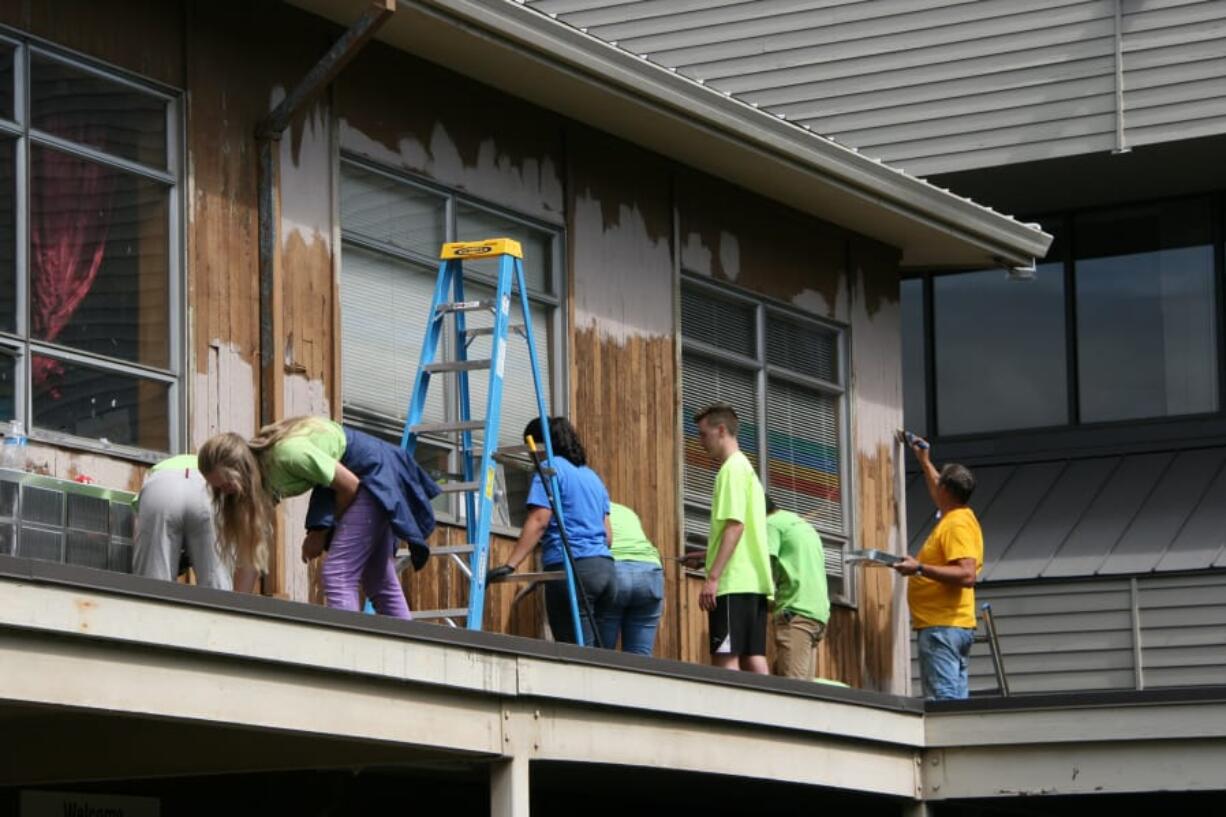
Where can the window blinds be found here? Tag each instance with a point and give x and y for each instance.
(384, 304)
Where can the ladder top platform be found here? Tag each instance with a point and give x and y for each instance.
(488, 248)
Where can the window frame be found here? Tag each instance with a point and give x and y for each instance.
(1120, 435)
(764, 372)
(554, 301)
(18, 343)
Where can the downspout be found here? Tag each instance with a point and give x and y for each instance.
(268, 135)
(1121, 144)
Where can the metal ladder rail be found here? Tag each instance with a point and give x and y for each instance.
(477, 483)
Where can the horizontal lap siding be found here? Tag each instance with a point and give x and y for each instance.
(1174, 70)
(943, 85)
(1072, 636)
(1183, 629)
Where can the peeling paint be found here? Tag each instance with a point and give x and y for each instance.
(69, 464)
(735, 236)
(463, 134)
(223, 395)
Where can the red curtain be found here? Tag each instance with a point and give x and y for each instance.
(70, 215)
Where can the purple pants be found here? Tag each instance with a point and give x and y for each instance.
(362, 551)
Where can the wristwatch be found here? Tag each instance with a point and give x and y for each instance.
(919, 570)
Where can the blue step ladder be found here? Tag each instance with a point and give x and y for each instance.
(478, 477)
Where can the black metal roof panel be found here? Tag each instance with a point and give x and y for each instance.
(1114, 515)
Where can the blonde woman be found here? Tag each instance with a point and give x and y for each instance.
(366, 493)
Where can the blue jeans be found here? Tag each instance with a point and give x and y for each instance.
(943, 654)
(637, 610)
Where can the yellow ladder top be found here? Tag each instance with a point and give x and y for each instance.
(481, 249)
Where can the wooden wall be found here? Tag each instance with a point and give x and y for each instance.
(623, 374)
(621, 208)
(732, 236)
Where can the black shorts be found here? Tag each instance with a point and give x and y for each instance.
(738, 624)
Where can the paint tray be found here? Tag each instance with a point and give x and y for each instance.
(877, 556)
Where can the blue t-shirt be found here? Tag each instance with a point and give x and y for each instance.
(585, 504)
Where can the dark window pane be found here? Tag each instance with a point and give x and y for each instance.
(86, 402)
(1146, 331)
(8, 382)
(915, 407)
(8, 235)
(1000, 351)
(99, 258)
(83, 107)
(474, 224)
(6, 80)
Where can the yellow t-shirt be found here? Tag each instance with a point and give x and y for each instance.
(933, 604)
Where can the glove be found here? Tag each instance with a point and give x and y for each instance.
(497, 574)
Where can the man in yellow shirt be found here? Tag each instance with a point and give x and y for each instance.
(941, 592)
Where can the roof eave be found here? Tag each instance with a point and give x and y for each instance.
(932, 227)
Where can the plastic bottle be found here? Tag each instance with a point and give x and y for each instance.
(13, 453)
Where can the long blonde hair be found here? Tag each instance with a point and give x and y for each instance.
(245, 517)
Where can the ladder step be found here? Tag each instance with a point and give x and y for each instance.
(441, 550)
(453, 612)
(445, 550)
(459, 487)
(441, 428)
(548, 576)
(458, 365)
(464, 306)
(481, 331)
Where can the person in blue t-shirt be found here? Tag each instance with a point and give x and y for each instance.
(585, 507)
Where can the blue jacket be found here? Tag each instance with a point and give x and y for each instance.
(397, 483)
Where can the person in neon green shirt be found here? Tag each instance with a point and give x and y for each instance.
(640, 585)
(802, 602)
(365, 495)
(739, 584)
(174, 516)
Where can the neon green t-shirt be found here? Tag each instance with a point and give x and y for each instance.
(739, 498)
(181, 462)
(186, 462)
(304, 459)
(800, 566)
(630, 544)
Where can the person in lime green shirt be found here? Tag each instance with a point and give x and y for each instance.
(739, 584)
(640, 585)
(174, 517)
(365, 495)
(802, 602)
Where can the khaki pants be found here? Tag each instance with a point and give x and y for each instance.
(796, 640)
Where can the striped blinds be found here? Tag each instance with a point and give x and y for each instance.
(784, 376)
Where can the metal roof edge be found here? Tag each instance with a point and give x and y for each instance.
(1014, 242)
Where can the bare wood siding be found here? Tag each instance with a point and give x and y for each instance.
(731, 236)
(623, 377)
(943, 85)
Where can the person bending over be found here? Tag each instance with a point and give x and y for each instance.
(366, 493)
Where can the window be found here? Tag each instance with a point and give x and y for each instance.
(1000, 351)
(1120, 323)
(784, 374)
(1146, 312)
(393, 228)
(89, 285)
(915, 387)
